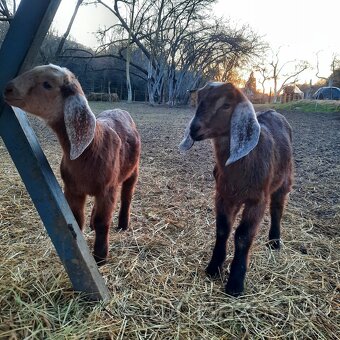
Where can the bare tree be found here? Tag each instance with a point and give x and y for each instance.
(318, 67)
(335, 76)
(279, 73)
(118, 8)
(181, 44)
(128, 51)
(265, 75)
(335, 64)
(127, 26)
(7, 9)
(68, 30)
(7, 12)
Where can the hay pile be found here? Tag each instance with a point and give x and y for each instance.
(156, 270)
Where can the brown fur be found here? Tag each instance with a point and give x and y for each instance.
(262, 176)
(110, 160)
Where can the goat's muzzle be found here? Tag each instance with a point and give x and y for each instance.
(196, 132)
(187, 141)
(12, 95)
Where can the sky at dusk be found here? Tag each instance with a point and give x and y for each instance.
(301, 28)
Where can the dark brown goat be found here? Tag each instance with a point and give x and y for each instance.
(98, 154)
(254, 166)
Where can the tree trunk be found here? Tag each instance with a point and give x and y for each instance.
(67, 32)
(128, 80)
(151, 93)
(128, 55)
(171, 89)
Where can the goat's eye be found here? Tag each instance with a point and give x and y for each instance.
(47, 85)
(225, 106)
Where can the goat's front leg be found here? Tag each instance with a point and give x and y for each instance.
(225, 216)
(101, 221)
(77, 205)
(244, 236)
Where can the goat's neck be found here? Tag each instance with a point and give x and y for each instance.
(222, 150)
(60, 130)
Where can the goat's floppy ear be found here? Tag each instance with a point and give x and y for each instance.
(80, 124)
(244, 131)
(187, 141)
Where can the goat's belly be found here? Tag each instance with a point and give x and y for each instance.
(281, 178)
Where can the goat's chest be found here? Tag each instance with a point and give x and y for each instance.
(87, 177)
(237, 185)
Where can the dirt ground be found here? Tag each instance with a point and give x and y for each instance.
(156, 269)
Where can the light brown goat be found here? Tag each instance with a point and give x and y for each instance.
(254, 166)
(98, 154)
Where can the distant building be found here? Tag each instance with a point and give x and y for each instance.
(291, 93)
(250, 87)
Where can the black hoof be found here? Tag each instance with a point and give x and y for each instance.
(122, 228)
(213, 272)
(100, 260)
(274, 244)
(233, 289)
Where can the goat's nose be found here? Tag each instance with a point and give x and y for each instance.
(194, 128)
(9, 89)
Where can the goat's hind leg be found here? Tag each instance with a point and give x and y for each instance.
(277, 204)
(93, 214)
(127, 191)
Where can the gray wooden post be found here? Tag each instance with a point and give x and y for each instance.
(21, 44)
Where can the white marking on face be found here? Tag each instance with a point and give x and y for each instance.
(216, 83)
(220, 101)
(58, 68)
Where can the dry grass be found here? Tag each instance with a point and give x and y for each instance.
(156, 270)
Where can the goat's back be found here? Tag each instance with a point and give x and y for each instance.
(117, 127)
(123, 125)
(118, 120)
(276, 123)
(274, 126)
